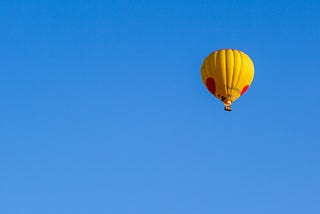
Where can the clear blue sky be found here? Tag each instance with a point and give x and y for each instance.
(103, 109)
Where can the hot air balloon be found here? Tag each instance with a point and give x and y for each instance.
(227, 74)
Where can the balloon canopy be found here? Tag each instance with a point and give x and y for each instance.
(227, 74)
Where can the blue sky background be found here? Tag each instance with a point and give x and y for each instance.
(103, 109)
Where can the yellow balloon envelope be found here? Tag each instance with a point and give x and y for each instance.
(227, 74)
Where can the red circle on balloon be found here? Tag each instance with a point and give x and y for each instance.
(245, 88)
(211, 85)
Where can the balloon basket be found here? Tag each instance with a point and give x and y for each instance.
(227, 108)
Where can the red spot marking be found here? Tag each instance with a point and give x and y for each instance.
(211, 85)
(245, 88)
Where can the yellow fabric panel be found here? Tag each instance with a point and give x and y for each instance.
(231, 70)
(236, 74)
(221, 70)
